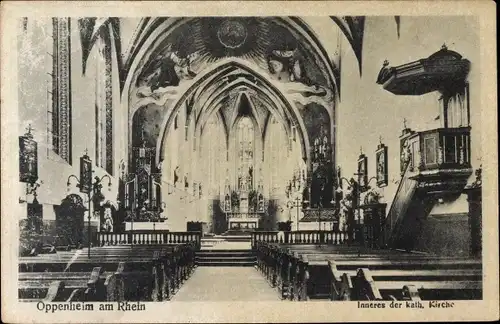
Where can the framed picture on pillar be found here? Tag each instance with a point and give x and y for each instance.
(363, 171)
(381, 160)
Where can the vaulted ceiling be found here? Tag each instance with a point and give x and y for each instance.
(234, 91)
(208, 40)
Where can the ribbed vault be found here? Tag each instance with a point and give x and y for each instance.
(219, 89)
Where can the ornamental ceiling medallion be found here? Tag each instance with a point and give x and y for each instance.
(232, 34)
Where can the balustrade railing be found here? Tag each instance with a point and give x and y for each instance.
(144, 237)
(300, 237)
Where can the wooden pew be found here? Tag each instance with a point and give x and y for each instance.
(63, 286)
(330, 271)
(416, 285)
(158, 269)
(343, 269)
(167, 267)
(277, 263)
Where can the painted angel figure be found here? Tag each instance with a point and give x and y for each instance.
(156, 83)
(285, 65)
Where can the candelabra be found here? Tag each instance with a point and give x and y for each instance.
(92, 189)
(295, 204)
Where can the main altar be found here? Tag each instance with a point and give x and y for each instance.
(244, 207)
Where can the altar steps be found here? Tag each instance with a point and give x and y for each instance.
(235, 236)
(225, 258)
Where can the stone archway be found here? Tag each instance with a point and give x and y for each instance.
(171, 75)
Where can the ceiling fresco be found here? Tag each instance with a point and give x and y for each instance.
(270, 47)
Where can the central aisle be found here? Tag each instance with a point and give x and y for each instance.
(226, 284)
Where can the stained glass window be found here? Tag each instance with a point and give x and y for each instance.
(245, 144)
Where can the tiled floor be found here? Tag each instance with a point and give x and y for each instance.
(226, 284)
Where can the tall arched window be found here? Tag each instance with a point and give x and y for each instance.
(245, 145)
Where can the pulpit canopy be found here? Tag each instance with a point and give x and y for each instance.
(443, 68)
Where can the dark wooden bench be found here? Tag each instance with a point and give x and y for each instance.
(346, 280)
(63, 286)
(147, 272)
(435, 284)
(345, 272)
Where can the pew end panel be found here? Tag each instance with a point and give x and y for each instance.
(410, 292)
(365, 287)
(77, 295)
(340, 288)
(96, 285)
(55, 291)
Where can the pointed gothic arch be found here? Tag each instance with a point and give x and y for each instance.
(152, 31)
(218, 68)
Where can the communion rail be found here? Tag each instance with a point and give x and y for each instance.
(300, 237)
(145, 237)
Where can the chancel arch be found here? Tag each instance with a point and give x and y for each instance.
(195, 82)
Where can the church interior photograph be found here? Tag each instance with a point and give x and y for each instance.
(270, 158)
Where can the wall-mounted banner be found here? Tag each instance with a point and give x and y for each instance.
(85, 174)
(28, 159)
(381, 160)
(363, 170)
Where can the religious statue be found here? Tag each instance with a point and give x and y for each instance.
(261, 203)
(227, 203)
(325, 146)
(405, 155)
(346, 205)
(176, 175)
(240, 182)
(317, 152)
(108, 221)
